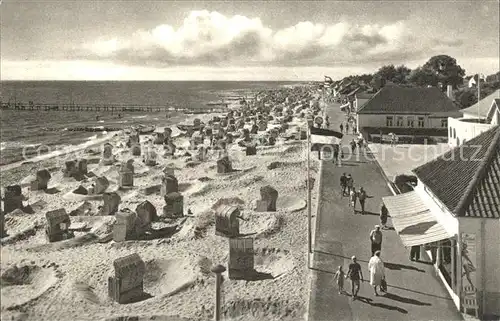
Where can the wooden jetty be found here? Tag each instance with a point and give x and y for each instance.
(108, 108)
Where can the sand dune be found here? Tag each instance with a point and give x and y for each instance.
(25, 283)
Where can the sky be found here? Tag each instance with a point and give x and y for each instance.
(238, 40)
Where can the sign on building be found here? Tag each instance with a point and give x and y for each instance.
(469, 268)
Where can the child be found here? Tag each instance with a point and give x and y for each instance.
(339, 276)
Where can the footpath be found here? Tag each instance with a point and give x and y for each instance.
(414, 292)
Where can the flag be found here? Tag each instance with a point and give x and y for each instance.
(328, 81)
(325, 136)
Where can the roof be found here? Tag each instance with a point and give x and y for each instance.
(415, 100)
(482, 107)
(354, 91)
(129, 264)
(413, 220)
(57, 216)
(364, 95)
(475, 77)
(467, 178)
(361, 102)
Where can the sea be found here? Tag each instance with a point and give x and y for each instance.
(24, 132)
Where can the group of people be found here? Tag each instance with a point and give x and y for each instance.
(358, 143)
(355, 274)
(346, 126)
(347, 187)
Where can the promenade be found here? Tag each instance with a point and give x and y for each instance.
(414, 292)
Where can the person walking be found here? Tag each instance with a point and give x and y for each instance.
(339, 277)
(350, 184)
(356, 275)
(376, 239)
(341, 128)
(362, 198)
(353, 195)
(343, 183)
(347, 128)
(353, 146)
(383, 216)
(377, 273)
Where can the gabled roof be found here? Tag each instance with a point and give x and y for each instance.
(414, 100)
(345, 87)
(354, 91)
(364, 95)
(495, 108)
(467, 178)
(481, 108)
(339, 83)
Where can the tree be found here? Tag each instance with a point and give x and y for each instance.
(398, 75)
(493, 78)
(466, 97)
(423, 77)
(402, 74)
(446, 69)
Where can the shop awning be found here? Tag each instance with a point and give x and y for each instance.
(412, 219)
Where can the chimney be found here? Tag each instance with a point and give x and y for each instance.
(449, 92)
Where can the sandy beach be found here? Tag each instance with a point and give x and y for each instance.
(67, 280)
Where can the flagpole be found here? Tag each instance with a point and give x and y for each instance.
(309, 210)
(478, 93)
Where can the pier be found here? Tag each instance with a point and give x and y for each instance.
(109, 108)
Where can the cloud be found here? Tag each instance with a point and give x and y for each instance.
(210, 38)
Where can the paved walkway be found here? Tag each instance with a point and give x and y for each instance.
(414, 292)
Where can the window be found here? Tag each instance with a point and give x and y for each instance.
(454, 133)
(451, 132)
(444, 122)
(410, 121)
(388, 121)
(421, 122)
(400, 121)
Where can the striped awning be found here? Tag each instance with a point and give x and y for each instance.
(412, 219)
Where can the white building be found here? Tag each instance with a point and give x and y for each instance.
(454, 212)
(406, 111)
(473, 81)
(475, 120)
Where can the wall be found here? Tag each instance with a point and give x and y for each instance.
(436, 122)
(491, 259)
(465, 130)
(379, 120)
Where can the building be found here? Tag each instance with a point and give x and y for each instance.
(473, 81)
(454, 213)
(475, 120)
(406, 111)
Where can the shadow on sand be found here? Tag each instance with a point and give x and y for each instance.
(252, 275)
